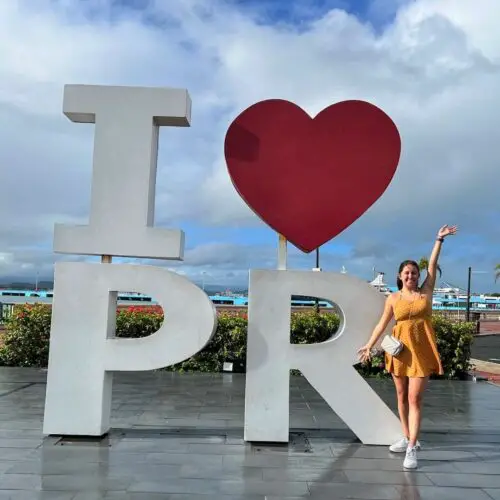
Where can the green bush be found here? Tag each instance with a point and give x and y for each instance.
(227, 345)
(137, 322)
(26, 342)
(312, 327)
(454, 341)
(26, 338)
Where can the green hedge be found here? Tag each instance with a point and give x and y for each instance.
(26, 341)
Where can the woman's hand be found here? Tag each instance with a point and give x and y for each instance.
(365, 354)
(446, 231)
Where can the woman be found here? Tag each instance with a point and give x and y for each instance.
(411, 368)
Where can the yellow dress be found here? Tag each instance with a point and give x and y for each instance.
(419, 357)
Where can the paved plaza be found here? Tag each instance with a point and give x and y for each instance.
(180, 437)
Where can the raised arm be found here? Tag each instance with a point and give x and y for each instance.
(430, 280)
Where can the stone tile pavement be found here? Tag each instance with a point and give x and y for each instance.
(179, 437)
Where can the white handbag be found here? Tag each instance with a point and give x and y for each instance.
(391, 345)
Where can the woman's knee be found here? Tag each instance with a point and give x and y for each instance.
(416, 391)
(402, 394)
(402, 391)
(415, 399)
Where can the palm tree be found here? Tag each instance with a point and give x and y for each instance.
(423, 265)
(497, 272)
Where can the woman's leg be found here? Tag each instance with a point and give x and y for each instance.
(416, 389)
(402, 393)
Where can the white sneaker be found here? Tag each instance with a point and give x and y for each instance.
(402, 445)
(410, 461)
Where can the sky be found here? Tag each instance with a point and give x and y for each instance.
(432, 65)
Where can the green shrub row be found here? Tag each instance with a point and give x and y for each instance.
(26, 340)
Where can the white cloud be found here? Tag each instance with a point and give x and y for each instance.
(435, 70)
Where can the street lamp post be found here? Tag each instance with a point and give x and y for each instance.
(317, 268)
(467, 314)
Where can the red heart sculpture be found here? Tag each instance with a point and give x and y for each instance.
(311, 178)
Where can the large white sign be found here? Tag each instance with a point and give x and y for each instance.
(328, 366)
(84, 351)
